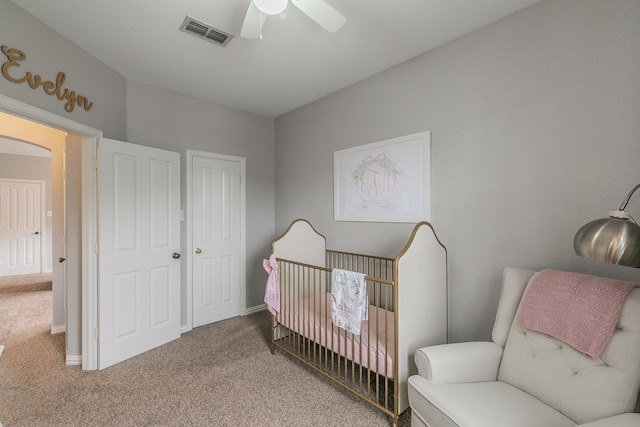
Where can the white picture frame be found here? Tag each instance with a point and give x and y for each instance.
(385, 181)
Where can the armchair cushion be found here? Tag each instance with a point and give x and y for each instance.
(483, 404)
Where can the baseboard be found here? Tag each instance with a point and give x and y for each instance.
(255, 309)
(60, 329)
(74, 360)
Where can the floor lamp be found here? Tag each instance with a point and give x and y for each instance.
(615, 239)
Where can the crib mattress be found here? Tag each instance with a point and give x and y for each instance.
(372, 349)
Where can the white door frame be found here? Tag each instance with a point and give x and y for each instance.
(188, 250)
(43, 216)
(89, 286)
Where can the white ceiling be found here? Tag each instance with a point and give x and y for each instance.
(296, 61)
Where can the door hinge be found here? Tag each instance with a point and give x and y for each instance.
(97, 248)
(97, 333)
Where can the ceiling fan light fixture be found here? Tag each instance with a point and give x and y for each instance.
(271, 7)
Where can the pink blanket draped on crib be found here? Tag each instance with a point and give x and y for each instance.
(578, 309)
(272, 290)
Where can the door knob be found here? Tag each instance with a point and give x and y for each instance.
(37, 232)
(198, 250)
(61, 259)
(175, 255)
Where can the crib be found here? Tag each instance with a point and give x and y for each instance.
(407, 298)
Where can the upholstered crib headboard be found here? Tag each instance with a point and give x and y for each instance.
(301, 243)
(421, 276)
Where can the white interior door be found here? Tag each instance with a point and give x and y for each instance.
(21, 227)
(139, 235)
(216, 237)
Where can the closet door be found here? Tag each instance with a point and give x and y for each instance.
(217, 275)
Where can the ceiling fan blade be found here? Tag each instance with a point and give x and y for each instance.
(325, 15)
(253, 22)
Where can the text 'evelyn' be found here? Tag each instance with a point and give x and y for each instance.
(14, 57)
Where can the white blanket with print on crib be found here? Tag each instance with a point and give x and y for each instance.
(349, 305)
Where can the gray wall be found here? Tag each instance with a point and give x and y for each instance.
(33, 168)
(168, 120)
(535, 131)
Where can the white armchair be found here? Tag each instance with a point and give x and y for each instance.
(524, 378)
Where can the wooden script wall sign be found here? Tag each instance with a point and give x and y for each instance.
(14, 56)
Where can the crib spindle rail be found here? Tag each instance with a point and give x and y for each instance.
(374, 266)
(363, 364)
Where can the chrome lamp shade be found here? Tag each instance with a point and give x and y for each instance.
(614, 240)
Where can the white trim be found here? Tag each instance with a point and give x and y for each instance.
(90, 252)
(43, 226)
(243, 229)
(59, 329)
(73, 360)
(89, 356)
(255, 309)
(26, 111)
(189, 244)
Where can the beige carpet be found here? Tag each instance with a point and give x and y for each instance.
(216, 375)
(27, 282)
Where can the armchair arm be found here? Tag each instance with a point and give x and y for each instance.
(460, 362)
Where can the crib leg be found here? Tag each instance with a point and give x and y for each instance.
(273, 331)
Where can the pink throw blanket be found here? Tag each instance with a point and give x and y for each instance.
(272, 291)
(578, 309)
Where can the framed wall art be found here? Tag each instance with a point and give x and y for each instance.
(386, 181)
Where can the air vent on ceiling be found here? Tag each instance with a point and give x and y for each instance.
(205, 31)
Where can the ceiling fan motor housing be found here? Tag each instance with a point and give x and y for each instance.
(271, 7)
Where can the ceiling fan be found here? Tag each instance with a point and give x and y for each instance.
(318, 10)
